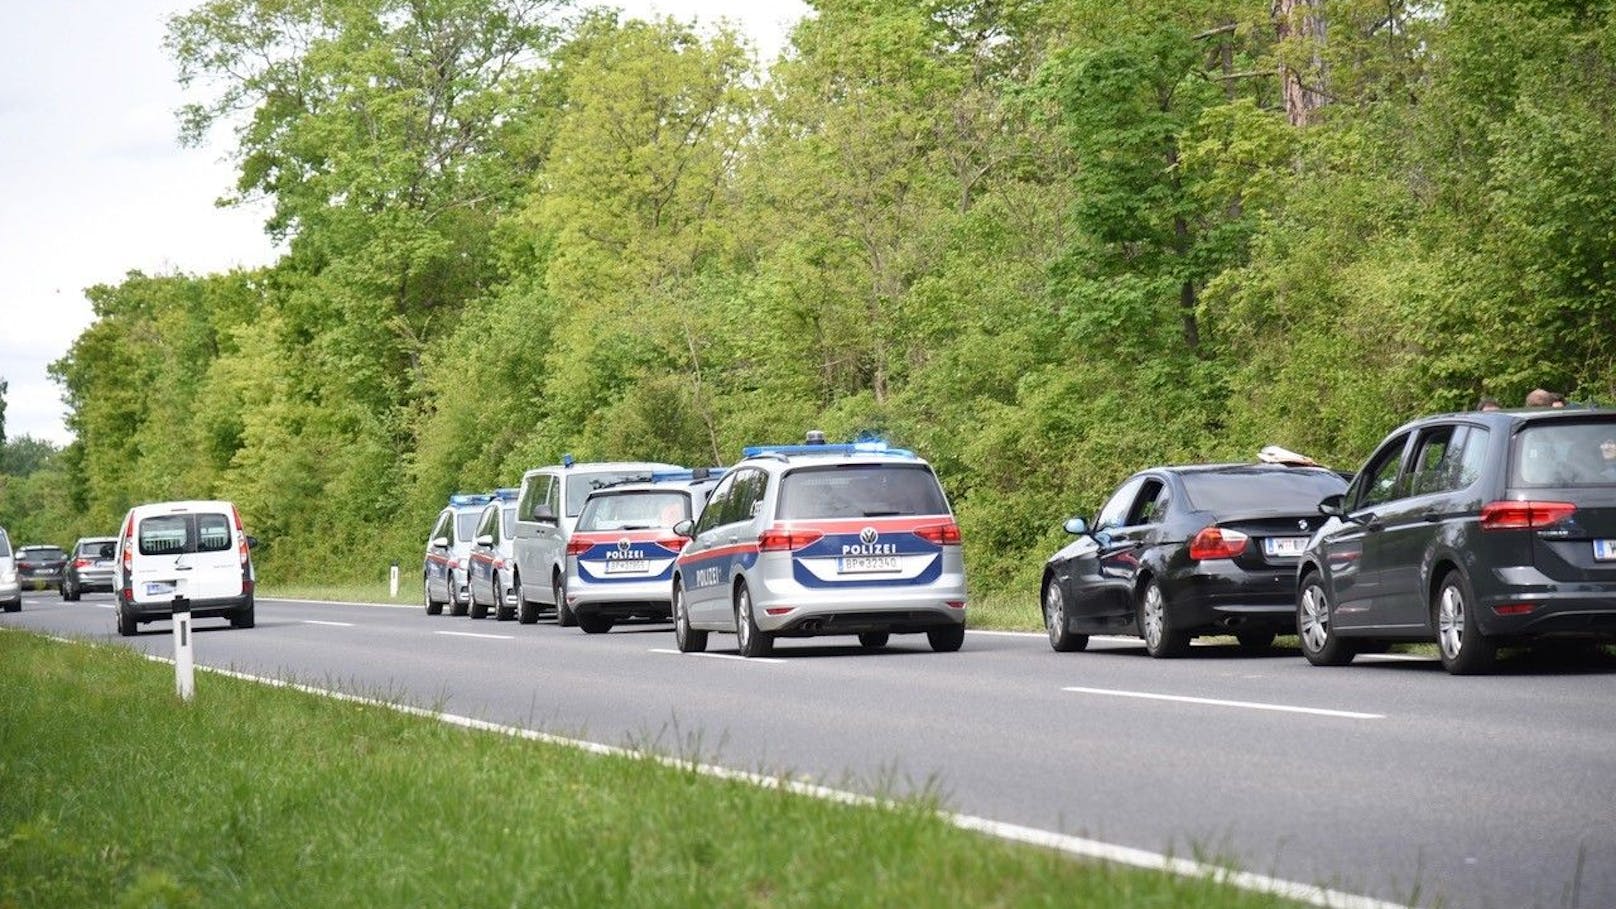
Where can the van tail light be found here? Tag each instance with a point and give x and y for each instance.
(940, 534)
(777, 539)
(241, 538)
(577, 547)
(1508, 515)
(673, 544)
(1217, 543)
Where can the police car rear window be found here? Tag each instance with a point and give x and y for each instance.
(581, 485)
(634, 510)
(860, 491)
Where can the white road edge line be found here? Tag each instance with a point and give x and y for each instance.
(718, 656)
(332, 624)
(1311, 894)
(1215, 702)
(473, 634)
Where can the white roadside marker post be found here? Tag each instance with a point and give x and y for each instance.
(392, 582)
(184, 675)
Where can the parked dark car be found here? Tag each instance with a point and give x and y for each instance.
(91, 567)
(1471, 530)
(1188, 550)
(40, 565)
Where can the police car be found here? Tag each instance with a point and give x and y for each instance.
(620, 555)
(818, 539)
(448, 554)
(491, 556)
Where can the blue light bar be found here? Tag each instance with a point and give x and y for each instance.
(845, 448)
(507, 493)
(694, 473)
(471, 498)
(566, 459)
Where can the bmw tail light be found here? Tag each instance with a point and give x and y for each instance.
(776, 539)
(1507, 515)
(577, 547)
(940, 534)
(1217, 543)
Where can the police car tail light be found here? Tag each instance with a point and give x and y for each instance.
(940, 534)
(577, 547)
(1524, 515)
(1217, 543)
(784, 538)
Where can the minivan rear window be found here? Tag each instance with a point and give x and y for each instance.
(1565, 453)
(860, 491)
(580, 486)
(634, 510)
(172, 534)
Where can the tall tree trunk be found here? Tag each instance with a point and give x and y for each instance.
(1303, 21)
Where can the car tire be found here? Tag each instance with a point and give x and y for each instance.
(687, 639)
(14, 605)
(527, 611)
(593, 623)
(1256, 640)
(1162, 640)
(243, 617)
(946, 638)
(69, 592)
(565, 617)
(874, 640)
(433, 607)
(1057, 622)
(127, 625)
(750, 640)
(1315, 626)
(1463, 649)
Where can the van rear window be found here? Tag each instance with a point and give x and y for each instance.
(860, 491)
(173, 534)
(1565, 453)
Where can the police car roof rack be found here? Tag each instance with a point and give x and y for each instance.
(783, 452)
(471, 498)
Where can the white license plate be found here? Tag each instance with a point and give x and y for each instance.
(869, 564)
(158, 588)
(1284, 547)
(1605, 550)
(628, 566)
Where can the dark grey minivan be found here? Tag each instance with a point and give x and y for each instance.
(1472, 530)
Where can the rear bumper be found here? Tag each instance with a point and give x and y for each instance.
(47, 578)
(199, 608)
(852, 610)
(621, 599)
(1224, 599)
(93, 580)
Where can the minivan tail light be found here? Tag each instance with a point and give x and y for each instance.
(81, 563)
(241, 537)
(577, 547)
(1217, 543)
(940, 534)
(784, 538)
(1529, 515)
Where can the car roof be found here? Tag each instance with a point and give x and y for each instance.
(1514, 418)
(38, 546)
(112, 539)
(586, 467)
(186, 506)
(1240, 467)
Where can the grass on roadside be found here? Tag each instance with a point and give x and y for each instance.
(409, 592)
(117, 794)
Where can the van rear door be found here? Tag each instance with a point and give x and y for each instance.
(189, 554)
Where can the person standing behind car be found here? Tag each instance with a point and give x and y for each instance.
(1489, 403)
(1540, 397)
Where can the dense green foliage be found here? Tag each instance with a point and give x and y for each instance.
(1045, 243)
(119, 794)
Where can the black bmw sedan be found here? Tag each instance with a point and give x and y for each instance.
(1188, 550)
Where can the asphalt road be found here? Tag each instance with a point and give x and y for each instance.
(1388, 778)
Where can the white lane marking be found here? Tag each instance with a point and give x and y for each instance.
(332, 624)
(1400, 657)
(718, 656)
(102, 605)
(1215, 702)
(473, 634)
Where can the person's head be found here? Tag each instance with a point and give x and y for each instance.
(1542, 397)
(1489, 404)
(1607, 449)
(1556, 399)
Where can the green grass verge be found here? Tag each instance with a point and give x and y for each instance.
(116, 794)
(409, 592)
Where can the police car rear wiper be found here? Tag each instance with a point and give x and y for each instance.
(881, 514)
(636, 527)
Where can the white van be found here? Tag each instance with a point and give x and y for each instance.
(196, 550)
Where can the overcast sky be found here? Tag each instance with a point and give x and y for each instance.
(93, 183)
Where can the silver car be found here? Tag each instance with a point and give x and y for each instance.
(819, 539)
(620, 556)
(90, 567)
(10, 587)
(493, 558)
(446, 567)
(546, 510)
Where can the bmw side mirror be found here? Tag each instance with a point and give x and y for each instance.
(440, 543)
(1331, 505)
(684, 527)
(485, 540)
(1076, 526)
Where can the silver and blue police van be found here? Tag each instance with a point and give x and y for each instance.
(821, 539)
(492, 556)
(444, 572)
(620, 556)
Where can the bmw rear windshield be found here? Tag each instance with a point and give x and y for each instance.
(1565, 452)
(1241, 489)
(860, 491)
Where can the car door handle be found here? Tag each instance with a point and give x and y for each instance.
(1432, 515)
(734, 538)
